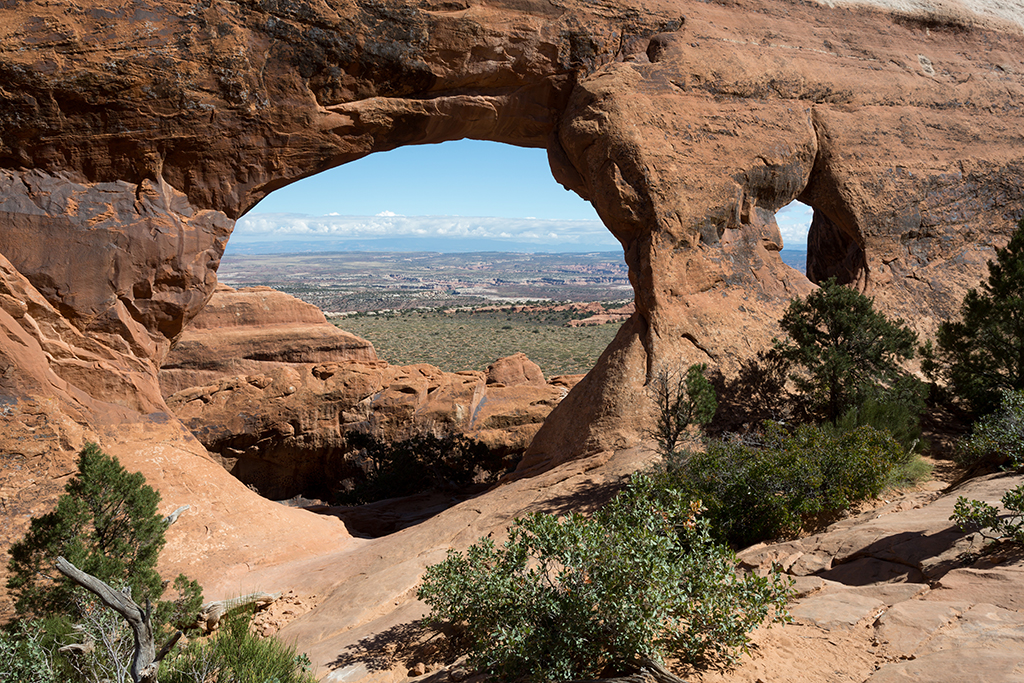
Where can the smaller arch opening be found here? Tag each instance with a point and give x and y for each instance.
(820, 246)
(794, 221)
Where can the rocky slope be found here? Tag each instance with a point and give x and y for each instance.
(896, 593)
(272, 389)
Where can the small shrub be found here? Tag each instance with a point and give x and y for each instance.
(997, 438)
(982, 354)
(681, 401)
(761, 490)
(976, 515)
(899, 418)
(421, 463)
(23, 657)
(840, 351)
(106, 524)
(236, 655)
(572, 598)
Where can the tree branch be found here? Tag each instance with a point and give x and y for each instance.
(144, 662)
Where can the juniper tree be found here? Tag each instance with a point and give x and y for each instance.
(841, 351)
(106, 524)
(982, 354)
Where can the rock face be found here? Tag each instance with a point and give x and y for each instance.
(133, 134)
(899, 597)
(687, 127)
(251, 330)
(271, 388)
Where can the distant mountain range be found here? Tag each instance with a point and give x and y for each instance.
(794, 258)
(397, 244)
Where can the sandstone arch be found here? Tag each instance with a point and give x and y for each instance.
(133, 134)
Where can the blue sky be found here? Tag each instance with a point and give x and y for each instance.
(465, 190)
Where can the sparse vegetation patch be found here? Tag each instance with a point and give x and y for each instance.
(471, 339)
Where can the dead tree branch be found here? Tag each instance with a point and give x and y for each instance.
(145, 662)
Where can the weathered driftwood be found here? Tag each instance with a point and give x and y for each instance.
(212, 612)
(173, 517)
(146, 660)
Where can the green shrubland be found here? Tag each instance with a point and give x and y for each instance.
(639, 580)
(236, 655)
(777, 481)
(106, 524)
(976, 515)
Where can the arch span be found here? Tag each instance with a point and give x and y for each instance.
(686, 136)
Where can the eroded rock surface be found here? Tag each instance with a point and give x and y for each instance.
(272, 389)
(896, 594)
(252, 330)
(135, 133)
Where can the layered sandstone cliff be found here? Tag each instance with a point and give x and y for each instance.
(272, 389)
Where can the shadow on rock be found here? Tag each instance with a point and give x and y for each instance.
(904, 557)
(407, 644)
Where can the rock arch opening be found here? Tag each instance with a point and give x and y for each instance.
(835, 249)
(273, 388)
(794, 220)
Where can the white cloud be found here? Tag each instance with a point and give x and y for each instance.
(281, 226)
(794, 219)
(382, 213)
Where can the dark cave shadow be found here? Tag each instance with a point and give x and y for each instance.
(385, 517)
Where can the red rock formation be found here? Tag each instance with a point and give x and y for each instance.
(271, 388)
(131, 134)
(902, 131)
(249, 331)
(515, 370)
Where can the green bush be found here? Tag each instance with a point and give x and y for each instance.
(106, 524)
(236, 655)
(976, 515)
(997, 438)
(762, 490)
(840, 352)
(23, 657)
(572, 598)
(421, 463)
(982, 354)
(899, 418)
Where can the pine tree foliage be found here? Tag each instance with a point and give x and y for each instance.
(842, 351)
(105, 523)
(982, 354)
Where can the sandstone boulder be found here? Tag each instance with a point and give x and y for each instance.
(515, 370)
(246, 331)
